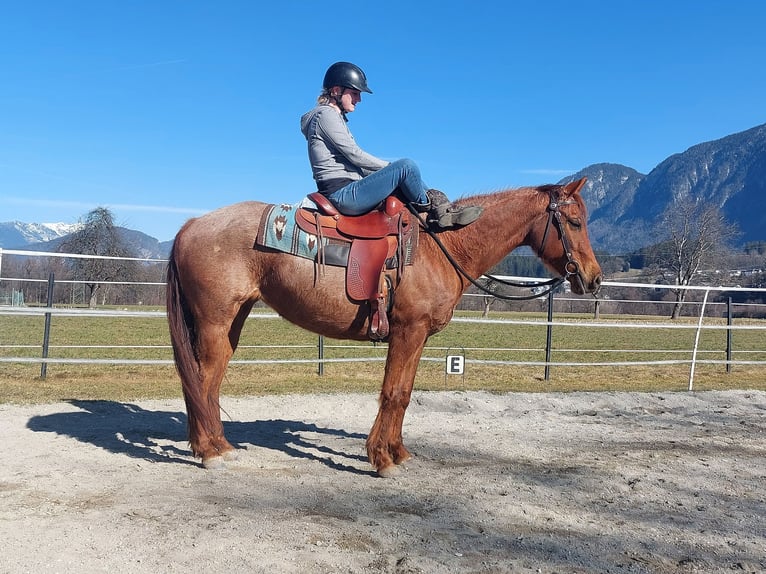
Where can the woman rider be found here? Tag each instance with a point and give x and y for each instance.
(354, 180)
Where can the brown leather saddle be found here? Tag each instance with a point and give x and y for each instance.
(376, 256)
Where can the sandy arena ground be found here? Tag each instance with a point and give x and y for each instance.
(583, 482)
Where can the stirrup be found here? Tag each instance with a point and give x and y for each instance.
(421, 207)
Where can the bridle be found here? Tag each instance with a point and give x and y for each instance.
(571, 268)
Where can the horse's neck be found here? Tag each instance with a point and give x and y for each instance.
(505, 224)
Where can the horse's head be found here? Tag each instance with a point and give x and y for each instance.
(561, 238)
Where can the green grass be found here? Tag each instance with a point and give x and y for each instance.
(574, 342)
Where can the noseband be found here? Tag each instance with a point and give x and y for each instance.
(572, 267)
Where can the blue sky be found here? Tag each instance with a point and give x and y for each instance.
(164, 109)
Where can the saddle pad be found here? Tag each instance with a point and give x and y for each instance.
(278, 230)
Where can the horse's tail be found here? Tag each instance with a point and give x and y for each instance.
(183, 338)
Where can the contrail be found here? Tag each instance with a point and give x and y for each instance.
(549, 171)
(91, 205)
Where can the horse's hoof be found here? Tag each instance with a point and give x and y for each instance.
(404, 458)
(230, 455)
(388, 471)
(214, 463)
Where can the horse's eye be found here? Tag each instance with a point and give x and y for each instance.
(576, 223)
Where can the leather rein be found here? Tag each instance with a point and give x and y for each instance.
(571, 268)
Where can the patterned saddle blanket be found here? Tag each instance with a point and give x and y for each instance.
(279, 230)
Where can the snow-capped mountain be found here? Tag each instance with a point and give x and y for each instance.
(16, 234)
(49, 236)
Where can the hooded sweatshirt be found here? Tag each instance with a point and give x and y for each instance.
(336, 160)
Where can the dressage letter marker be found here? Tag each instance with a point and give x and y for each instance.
(455, 364)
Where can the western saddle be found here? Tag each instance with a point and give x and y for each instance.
(381, 243)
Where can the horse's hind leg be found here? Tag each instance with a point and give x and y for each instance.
(215, 346)
(206, 435)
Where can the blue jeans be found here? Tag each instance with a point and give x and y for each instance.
(363, 195)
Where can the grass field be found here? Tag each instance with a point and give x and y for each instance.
(578, 341)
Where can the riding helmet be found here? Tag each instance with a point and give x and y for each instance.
(347, 75)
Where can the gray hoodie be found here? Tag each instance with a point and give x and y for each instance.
(335, 158)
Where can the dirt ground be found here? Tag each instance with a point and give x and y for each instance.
(583, 482)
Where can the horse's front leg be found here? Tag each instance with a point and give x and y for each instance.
(385, 448)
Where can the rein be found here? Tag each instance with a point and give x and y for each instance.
(554, 218)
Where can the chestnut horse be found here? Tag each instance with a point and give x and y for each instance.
(216, 274)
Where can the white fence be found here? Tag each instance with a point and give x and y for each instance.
(692, 356)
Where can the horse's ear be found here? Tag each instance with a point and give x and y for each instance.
(574, 187)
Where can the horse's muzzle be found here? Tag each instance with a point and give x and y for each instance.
(581, 285)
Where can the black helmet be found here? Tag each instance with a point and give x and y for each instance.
(346, 75)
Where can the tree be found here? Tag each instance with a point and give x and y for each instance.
(697, 235)
(99, 236)
(491, 288)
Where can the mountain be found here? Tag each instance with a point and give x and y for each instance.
(609, 193)
(140, 244)
(144, 245)
(18, 234)
(730, 172)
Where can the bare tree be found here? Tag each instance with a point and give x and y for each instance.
(697, 235)
(489, 298)
(98, 236)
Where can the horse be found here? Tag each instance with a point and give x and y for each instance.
(216, 273)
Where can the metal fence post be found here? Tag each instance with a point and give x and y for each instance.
(549, 337)
(320, 345)
(697, 340)
(47, 331)
(729, 345)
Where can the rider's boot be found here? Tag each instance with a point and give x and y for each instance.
(443, 214)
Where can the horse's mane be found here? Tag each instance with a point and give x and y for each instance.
(494, 197)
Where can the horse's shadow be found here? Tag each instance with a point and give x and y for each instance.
(128, 429)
